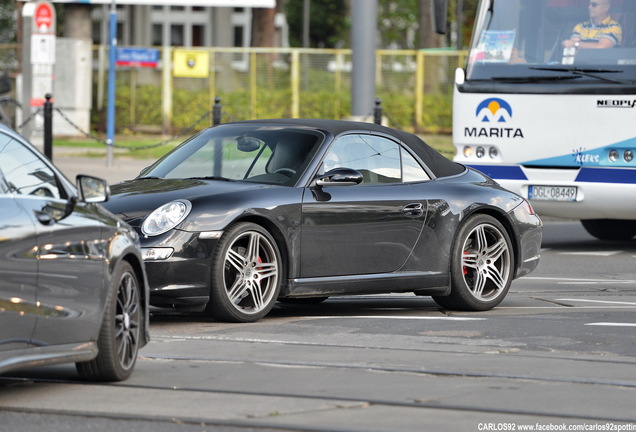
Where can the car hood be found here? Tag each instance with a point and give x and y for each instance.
(136, 198)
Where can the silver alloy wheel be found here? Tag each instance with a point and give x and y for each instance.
(486, 262)
(251, 272)
(127, 319)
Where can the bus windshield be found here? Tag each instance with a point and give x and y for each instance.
(554, 41)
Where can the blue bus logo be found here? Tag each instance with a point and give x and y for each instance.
(494, 110)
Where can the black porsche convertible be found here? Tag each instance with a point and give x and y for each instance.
(245, 214)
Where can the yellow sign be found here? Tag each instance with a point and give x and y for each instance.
(191, 63)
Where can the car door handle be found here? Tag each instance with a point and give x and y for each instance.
(414, 210)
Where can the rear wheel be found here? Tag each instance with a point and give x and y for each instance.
(482, 266)
(610, 229)
(246, 274)
(118, 341)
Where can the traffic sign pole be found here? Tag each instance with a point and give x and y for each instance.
(110, 109)
(38, 58)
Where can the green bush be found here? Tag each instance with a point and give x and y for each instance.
(189, 106)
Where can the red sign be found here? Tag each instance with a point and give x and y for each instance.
(44, 16)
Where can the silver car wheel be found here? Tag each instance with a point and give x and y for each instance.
(486, 262)
(251, 272)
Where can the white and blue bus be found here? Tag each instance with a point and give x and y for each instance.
(556, 125)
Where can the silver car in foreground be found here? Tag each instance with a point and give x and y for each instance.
(72, 282)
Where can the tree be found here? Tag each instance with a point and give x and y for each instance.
(263, 27)
(7, 21)
(328, 23)
(468, 13)
(427, 38)
(398, 23)
(405, 24)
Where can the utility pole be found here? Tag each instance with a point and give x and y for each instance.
(364, 20)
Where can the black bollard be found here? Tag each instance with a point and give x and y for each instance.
(48, 127)
(377, 112)
(216, 112)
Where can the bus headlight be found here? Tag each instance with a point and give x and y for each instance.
(613, 155)
(628, 155)
(480, 152)
(493, 152)
(468, 152)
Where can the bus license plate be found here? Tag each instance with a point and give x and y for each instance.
(552, 193)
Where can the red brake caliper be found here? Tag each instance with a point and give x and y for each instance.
(464, 267)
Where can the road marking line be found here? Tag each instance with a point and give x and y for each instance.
(556, 306)
(593, 253)
(599, 301)
(399, 317)
(575, 280)
(611, 324)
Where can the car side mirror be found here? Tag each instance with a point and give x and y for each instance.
(92, 189)
(340, 177)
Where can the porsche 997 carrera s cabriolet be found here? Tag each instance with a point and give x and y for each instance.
(245, 214)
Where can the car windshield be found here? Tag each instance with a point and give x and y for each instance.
(258, 154)
(523, 41)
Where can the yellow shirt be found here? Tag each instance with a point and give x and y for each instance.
(589, 32)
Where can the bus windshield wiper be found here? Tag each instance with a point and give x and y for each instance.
(534, 78)
(588, 72)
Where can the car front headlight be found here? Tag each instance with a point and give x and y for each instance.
(166, 217)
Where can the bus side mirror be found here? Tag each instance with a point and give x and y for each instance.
(439, 12)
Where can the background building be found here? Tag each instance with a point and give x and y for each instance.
(184, 26)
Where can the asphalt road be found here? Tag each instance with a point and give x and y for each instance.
(559, 352)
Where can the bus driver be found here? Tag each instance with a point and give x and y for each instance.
(601, 31)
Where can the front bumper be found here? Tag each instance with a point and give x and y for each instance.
(178, 265)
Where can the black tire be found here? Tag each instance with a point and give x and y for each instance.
(246, 274)
(482, 265)
(610, 229)
(120, 334)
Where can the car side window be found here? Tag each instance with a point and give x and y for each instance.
(24, 172)
(379, 159)
(412, 171)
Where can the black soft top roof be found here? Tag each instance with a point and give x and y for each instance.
(438, 164)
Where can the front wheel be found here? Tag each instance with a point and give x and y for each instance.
(246, 274)
(119, 337)
(482, 266)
